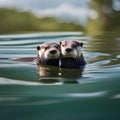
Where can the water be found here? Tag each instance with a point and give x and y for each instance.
(92, 93)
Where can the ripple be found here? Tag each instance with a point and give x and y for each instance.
(87, 95)
(39, 35)
(118, 56)
(5, 81)
(117, 96)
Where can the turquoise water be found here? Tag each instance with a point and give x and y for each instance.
(65, 94)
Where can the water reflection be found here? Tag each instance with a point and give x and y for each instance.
(47, 71)
(49, 74)
(107, 45)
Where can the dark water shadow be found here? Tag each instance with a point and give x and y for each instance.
(49, 74)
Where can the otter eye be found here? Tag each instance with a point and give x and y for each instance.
(79, 44)
(74, 46)
(63, 43)
(57, 47)
(46, 48)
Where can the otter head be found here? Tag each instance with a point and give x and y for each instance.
(48, 53)
(71, 49)
(71, 54)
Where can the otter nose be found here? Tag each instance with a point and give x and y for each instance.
(53, 51)
(68, 50)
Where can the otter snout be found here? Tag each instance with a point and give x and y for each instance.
(68, 50)
(53, 52)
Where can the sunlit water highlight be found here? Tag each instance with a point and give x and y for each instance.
(92, 93)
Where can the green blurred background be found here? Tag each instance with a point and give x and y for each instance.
(101, 16)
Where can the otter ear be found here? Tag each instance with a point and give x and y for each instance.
(81, 44)
(60, 43)
(38, 47)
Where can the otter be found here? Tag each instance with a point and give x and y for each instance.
(71, 54)
(48, 54)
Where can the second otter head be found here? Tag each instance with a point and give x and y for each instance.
(71, 54)
(48, 53)
(71, 49)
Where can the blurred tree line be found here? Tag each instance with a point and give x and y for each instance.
(14, 21)
(104, 16)
(104, 25)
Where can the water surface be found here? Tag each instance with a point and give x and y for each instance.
(92, 93)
